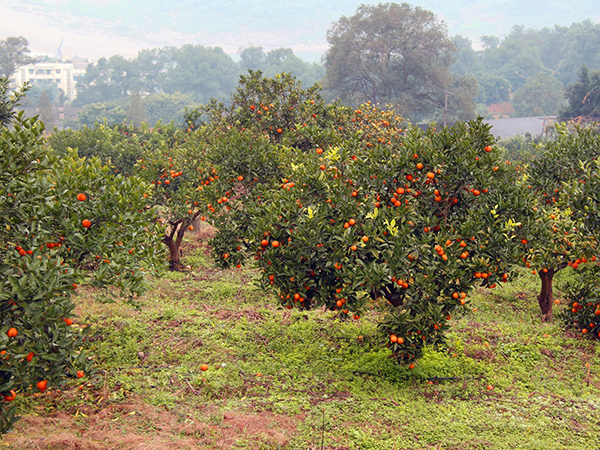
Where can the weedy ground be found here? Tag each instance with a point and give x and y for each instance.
(280, 379)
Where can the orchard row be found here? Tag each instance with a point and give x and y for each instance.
(338, 208)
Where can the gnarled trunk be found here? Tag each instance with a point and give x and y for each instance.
(546, 297)
(174, 253)
(390, 293)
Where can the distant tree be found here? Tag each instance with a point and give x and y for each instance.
(490, 42)
(461, 100)
(541, 95)
(252, 58)
(167, 107)
(583, 96)
(136, 113)
(467, 60)
(492, 89)
(46, 111)
(150, 69)
(281, 60)
(14, 52)
(517, 58)
(110, 112)
(56, 94)
(390, 53)
(203, 72)
(580, 45)
(105, 81)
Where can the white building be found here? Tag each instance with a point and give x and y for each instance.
(62, 74)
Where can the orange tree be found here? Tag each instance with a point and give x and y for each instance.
(225, 152)
(151, 153)
(417, 219)
(120, 145)
(582, 289)
(177, 171)
(269, 126)
(63, 223)
(560, 231)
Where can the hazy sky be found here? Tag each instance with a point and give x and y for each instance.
(96, 28)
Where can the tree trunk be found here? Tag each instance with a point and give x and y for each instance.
(174, 255)
(546, 297)
(390, 293)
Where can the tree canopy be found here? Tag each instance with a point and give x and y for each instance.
(14, 52)
(583, 96)
(390, 53)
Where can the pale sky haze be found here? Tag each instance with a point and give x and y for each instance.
(96, 28)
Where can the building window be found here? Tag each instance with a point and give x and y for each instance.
(31, 71)
(57, 71)
(48, 71)
(57, 81)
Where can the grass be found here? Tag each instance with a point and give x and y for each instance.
(297, 380)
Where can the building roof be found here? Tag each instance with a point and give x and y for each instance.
(520, 126)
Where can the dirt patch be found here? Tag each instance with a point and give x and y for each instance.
(136, 425)
(250, 315)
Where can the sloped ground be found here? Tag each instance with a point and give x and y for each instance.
(305, 380)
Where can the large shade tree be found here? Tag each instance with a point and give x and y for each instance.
(391, 53)
(14, 52)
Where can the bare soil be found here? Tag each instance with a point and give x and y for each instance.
(133, 424)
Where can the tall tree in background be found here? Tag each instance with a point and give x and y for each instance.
(14, 52)
(46, 111)
(583, 96)
(281, 60)
(136, 113)
(541, 95)
(517, 58)
(390, 53)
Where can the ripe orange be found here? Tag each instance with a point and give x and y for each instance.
(488, 148)
(12, 332)
(81, 197)
(204, 367)
(419, 166)
(275, 244)
(30, 356)
(264, 242)
(365, 238)
(319, 150)
(430, 175)
(191, 228)
(80, 374)
(42, 385)
(68, 321)
(352, 222)
(86, 223)
(10, 397)
(393, 338)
